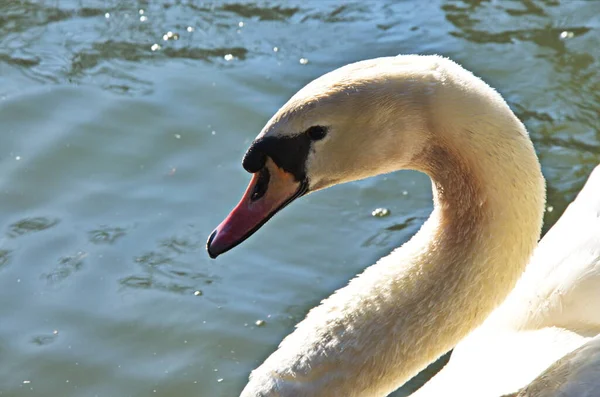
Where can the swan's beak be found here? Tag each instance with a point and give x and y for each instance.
(270, 190)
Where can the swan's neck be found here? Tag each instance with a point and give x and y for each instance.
(416, 304)
(463, 262)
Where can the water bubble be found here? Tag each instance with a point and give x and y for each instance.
(404, 192)
(260, 323)
(170, 36)
(380, 212)
(55, 332)
(155, 47)
(26, 382)
(107, 15)
(241, 24)
(190, 29)
(177, 136)
(141, 12)
(275, 49)
(228, 57)
(566, 35)
(220, 380)
(198, 293)
(303, 61)
(550, 208)
(18, 158)
(143, 18)
(213, 132)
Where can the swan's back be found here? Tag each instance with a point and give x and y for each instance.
(574, 375)
(563, 278)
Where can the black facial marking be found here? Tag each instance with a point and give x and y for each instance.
(254, 159)
(289, 153)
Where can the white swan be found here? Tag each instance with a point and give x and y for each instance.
(553, 309)
(574, 375)
(377, 116)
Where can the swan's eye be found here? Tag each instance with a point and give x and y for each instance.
(261, 185)
(316, 132)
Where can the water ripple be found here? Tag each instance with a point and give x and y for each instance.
(67, 265)
(17, 17)
(45, 339)
(384, 237)
(136, 52)
(31, 225)
(151, 282)
(166, 268)
(106, 235)
(20, 61)
(4, 257)
(273, 13)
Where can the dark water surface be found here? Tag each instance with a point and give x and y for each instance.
(121, 151)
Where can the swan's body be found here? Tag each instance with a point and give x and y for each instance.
(574, 375)
(377, 116)
(553, 310)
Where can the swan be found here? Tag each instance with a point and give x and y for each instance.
(423, 113)
(574, 375)
(552, 310)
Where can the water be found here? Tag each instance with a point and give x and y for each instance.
(121, 151)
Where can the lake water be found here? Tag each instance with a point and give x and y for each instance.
(121, 150)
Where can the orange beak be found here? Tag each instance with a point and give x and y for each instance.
(269, 191)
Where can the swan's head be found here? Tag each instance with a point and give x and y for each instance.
(352, 123)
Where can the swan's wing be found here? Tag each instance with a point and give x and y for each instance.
(495, 362)
(561, 286)
(574, 375)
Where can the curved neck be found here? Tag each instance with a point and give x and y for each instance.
(420, 301)
(461, 265)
